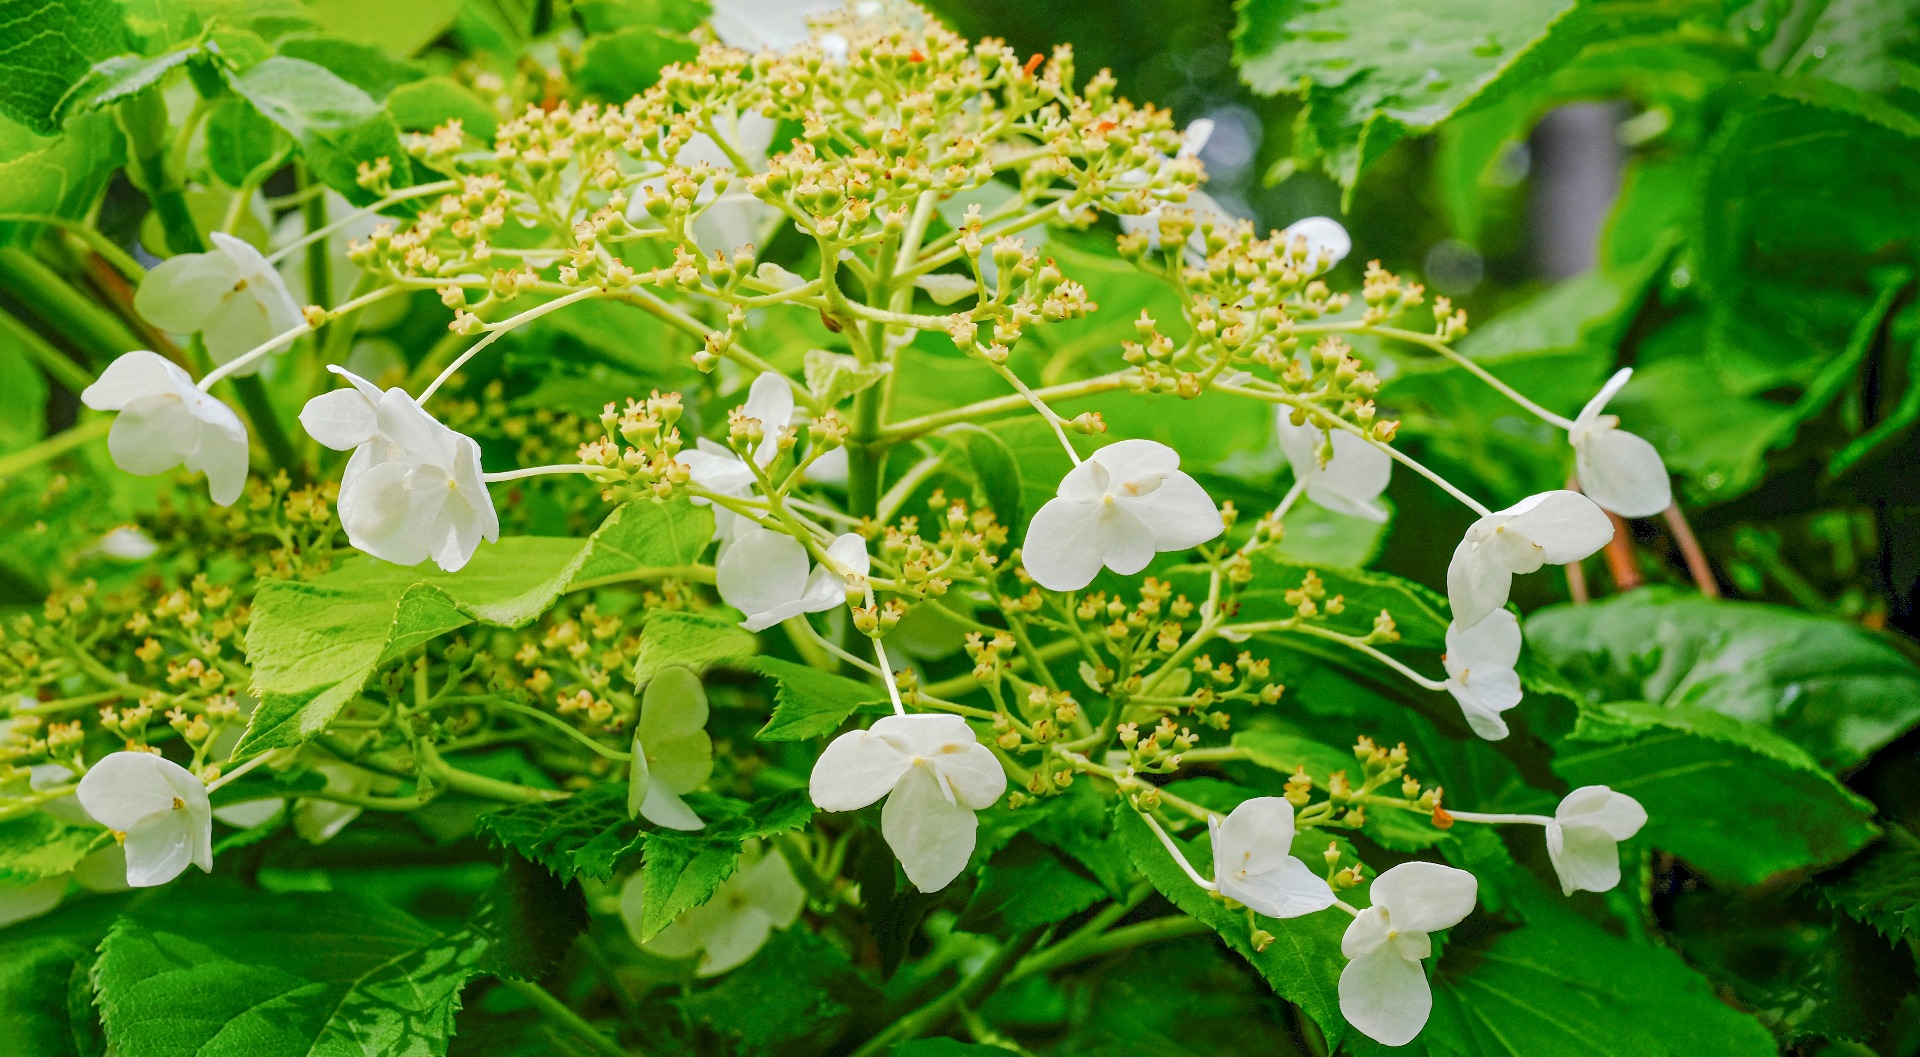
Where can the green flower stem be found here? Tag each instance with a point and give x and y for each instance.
(985, 409)
(128, 268)
(143, 117)
(480, 785)
(1434, 344)
(699, 574)
(71, 376)
(41, 290)
(319, 263)
(1078, 949)
(558, 1012)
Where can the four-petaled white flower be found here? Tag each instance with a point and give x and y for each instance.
(166, 421)
(230, 295)
(1327, 242)
(1555, 528)
(413, 489)
(1480, 672)
(672, 753)
(1383, 989)
(1353, 477)
(1583, 839)
(934, 773)
(718, 470)
(160, 806)
(1618, 470)
(763, 574)
(1253, 861)
(1127, 501)
(762, 895)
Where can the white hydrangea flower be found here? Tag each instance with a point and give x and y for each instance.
(1552, 528)
(1618, 470)
(230, 295)
(1126, 502)
(1583, 838)
(1480, 672)
(316, 821)
(764, 574)
(166, 421)
(1254, 864)
(1203, 206)
(1327, 241)
(414, 488)
(160, 806)
(934, 774)
(672, 753)
(1351, 481)
(714, 467)
(727, 930)
(1383, 990)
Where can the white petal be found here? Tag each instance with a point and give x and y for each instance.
(1584, 858)
(856, 769)
(1425, 896)
(720, 471)
(239, 324)
(249, 813)
(1484, 696)
(1327, 241)
(931, 836)
(1353, 479)
(1617, 814)
(104, 870)
(219, 450)
(769, 399)
(1385, 997)
(1623, 473)
(663, 807)
(761, 571)
(1565, 526)
(730, 936)
(181, 293)
(1477, 582)
(1178, 513)
(1289, 890)
(159, 848)
(152, 434)
(973, 774)
(342, 420)
(319, 821)
(674, 706)
(1367, 932)
(133, 375)
(386, 517)
(1494, 642)
(126, 787)
(947, 287)
(1590, 414)
(770, 885)
(924, 733)
(850, 550)
(1255, 838)
(1136, 460)
(1482, 679)
(1061, 553)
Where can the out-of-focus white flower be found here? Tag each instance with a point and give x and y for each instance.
(752, 25)
(1203, 206)
(672, 753)
(316, 821)
(1353, 477)
(128, 544)
(230, 295)
(414, 488)
(934, 773)
(1125, 503)
(715, 468)
(1583, 838)
(1326, 240)
(160, 806)
(727, 930)
(166, 421)
(1480, 672)
(1618, 470)
(1383, 990)
(1554, 528)
(764, 574)
(1253, 861)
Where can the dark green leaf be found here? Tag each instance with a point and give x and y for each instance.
(240, 140)
(552, 833)
(628, 61)
(49, 45)
(529, 919)
(1882, 887)
(996, 476)
(336, 125)
(38, 961)
(799, 987)
(1026, 886)
(681, 871)
(679, 16)
(808, 703)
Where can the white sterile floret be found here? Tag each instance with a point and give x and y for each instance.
(414, 488)
(934, 773)
(1326, 240)
(1552, 528)
(1254, 864)
(160, 807)
(718, 470)
(672, 753)
(1351, 480)
(1616, 469)
(166, 421)
(769, 399)
(764, 574)
(1583, 840)
(1480, 673)
(1383, 989)
(230, 295)
(1126, 502)
(726, 931)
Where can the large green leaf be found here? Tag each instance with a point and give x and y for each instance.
(41, 963)
(1882, 887)
(336, 125)
(232, 974)
(61, 177)
(49, 44)
(1834, 689)
(591, 834)
(809, 703)
(1371, 74)
(314, 645)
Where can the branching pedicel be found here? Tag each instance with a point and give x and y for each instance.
(659, 204)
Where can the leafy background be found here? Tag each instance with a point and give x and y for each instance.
(1755, 265)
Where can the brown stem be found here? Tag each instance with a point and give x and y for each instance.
(1690, 550)
(1620, 560)
(1577, 583)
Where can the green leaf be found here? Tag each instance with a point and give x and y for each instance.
(49, 45)
(680, 872)
(1882, 887)
(1370, 76)
(628, 61)
(801, 987)
(336, 125)
(397, 29)
(1025, 886)
(835, 376)
(365, 66)
(425, 105)
(675, 639)
(40, 960)
(809, 703)
(1734, 800)
(234, 974)
(239, 140)
(553, 833)
(117, 78)
(39, 845)
(1304, 962)
(997, 485)
(679, 16)
(1833, 688)
(61, 177)
(529, 919)
(314, 645)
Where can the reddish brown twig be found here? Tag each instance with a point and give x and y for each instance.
(1690, 550)
(1621, 564)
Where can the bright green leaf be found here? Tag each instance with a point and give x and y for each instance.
(50, 44)
(809, 703)
(38, 845)
(336, 125)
